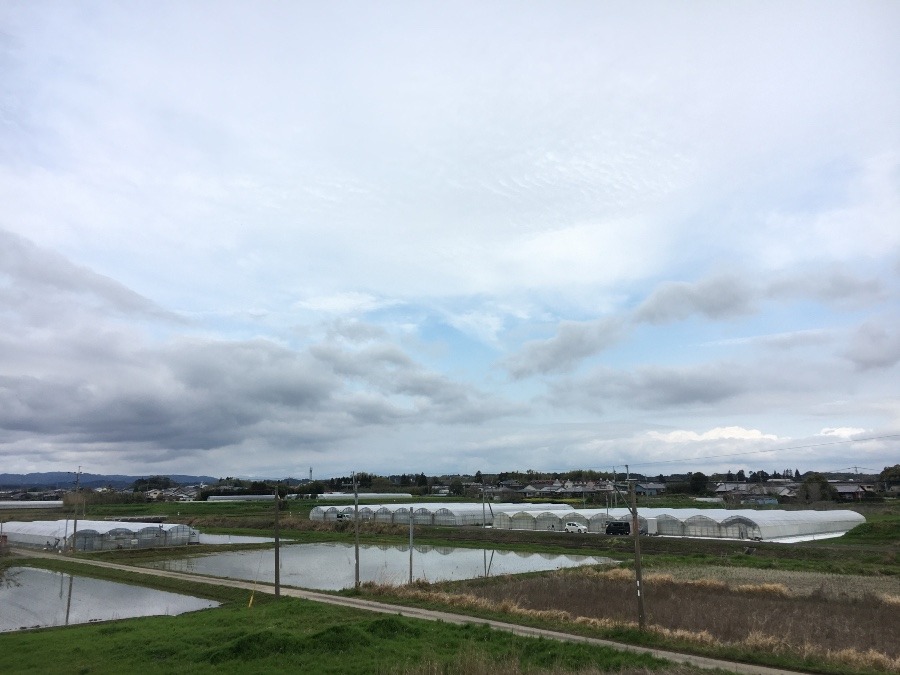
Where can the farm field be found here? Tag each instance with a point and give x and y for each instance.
(303, 636)
(829, 606)
(748, 616)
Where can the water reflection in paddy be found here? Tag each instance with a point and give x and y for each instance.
(331, 566)
(32, 598)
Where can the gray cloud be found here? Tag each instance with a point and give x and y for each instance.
(874, 346)
(34, 275)
(355, 331)
(722, 297)
(459, 180)
(797, 339)
(205, 395)
(573, 342)
(717, 298)
(72, 377)
(711, 388)
(831, 285)
(652, 387)
(411, 392)
(191, 395)
(728, 297)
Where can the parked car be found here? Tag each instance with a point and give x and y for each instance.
(618, 528)
(345, 516)
(576, 527)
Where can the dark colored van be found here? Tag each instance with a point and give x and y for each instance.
(618, 528)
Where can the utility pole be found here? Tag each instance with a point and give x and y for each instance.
(636, 530)
(356, 530)
(483, 513)
(615, 489)
(277, 548)
(410, 545)
(75, 524)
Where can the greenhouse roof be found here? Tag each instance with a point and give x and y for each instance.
(63, 528)
(456, 507)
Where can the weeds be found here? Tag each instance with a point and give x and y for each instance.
(859, 633)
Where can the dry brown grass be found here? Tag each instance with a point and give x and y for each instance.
(858, 632)
(472, 662)
(836, 586)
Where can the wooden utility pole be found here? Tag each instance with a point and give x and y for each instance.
(356, 530)
(277, 548)
(636, 530)
(410, 545)
(75, 524)
(483, 512)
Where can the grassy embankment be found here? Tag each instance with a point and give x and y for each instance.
(295, 635)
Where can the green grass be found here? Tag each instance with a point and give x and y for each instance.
(764, 649)
(870, 549)
(295, 635)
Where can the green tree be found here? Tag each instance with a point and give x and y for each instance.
(815, 488)
(890, 476)
(152, 483)
(698, 483)
(456, 486)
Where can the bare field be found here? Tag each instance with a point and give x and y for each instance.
(843, 621)
(832, 586)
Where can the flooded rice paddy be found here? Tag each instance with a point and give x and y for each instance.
(36, 598)
(331, 566)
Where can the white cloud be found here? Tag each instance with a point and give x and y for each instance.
(350, 302)
(719, 433)
(639, 216)
(842, 432)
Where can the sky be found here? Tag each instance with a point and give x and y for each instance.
(258, 239)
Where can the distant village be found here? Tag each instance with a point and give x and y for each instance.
(755, 488)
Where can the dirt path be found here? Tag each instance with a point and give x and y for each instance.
(428, 615)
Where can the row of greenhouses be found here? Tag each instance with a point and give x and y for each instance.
(719, 523)
(96, 535)
(449, 513)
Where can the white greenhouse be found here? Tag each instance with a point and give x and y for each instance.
(434, 513)
(718, 523)
(97, 535)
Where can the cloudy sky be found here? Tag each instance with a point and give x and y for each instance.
(244, 238)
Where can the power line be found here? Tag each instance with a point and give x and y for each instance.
(761, 452)
(851, 469)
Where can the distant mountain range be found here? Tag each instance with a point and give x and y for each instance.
(66, 479)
